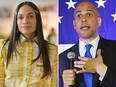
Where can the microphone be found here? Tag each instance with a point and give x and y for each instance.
(71, 56)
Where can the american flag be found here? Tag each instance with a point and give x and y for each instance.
(67, 33)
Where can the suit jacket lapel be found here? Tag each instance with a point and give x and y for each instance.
(96, 76)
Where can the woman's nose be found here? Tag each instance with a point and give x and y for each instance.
(25, 20)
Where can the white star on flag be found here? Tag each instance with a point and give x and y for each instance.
(71, 4)
(114, 15)
(100, 3)
(59, 19)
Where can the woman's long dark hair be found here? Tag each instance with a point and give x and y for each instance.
(42, 44)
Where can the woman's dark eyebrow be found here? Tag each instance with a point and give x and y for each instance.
(27, 14)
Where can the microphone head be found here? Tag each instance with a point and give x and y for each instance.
(71, 55)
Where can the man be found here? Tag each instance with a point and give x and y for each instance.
(102, 65)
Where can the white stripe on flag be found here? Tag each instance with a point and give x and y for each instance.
(63, 47)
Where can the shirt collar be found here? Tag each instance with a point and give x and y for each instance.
(23, 39)
(94, 43)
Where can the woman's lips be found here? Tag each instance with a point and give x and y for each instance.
(26, 27)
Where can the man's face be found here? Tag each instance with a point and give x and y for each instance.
(86, 21)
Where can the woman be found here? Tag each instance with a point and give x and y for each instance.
(26, 59)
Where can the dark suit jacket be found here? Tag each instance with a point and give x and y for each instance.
(108, 51)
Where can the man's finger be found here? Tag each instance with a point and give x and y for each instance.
(79, 62)
(99, 54)
(79, 66)
(83, 58)
(68, 71)
(81, 71)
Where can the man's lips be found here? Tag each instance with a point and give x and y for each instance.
(85, 27)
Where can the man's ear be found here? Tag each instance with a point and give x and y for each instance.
(99, 21)
(74, 24)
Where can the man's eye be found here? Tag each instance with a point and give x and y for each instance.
(89, 14)
(79, 15)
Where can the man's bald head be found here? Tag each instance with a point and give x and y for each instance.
(87, 6)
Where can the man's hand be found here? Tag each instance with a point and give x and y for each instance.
(68, 77)
(92, 65)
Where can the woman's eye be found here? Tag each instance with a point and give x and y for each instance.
(31, 16)
(20, 17)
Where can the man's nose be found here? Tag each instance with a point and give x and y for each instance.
(84, 19)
